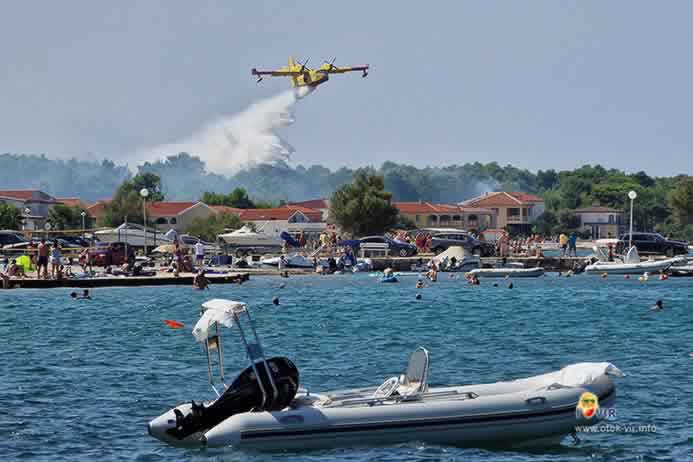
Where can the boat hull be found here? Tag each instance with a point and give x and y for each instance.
(628, 268)
(507, 420)
(510, 272)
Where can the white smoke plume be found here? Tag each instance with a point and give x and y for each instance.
(248, 138)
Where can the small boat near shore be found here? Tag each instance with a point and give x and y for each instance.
(264, 408)
(632, 264)
(509, 272)
(290, 261)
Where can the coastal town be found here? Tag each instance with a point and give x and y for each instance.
(346, 231)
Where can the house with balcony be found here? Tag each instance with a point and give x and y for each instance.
(428, 215)
(33, 204)
(515, 211)
(322, 205)
(601, 222)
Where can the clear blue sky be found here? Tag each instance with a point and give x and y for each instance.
(539, 84)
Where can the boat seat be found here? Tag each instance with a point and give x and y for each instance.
(415, 381)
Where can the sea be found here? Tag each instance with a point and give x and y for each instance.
(81, 379)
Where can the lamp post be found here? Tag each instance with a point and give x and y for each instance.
(631, 195)
(27, 214)
(144, 192)
(83, 215)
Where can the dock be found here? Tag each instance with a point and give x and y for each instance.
(165, 279)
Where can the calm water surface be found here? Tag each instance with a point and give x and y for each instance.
(81, 379)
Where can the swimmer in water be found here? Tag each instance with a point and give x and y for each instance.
(85, 295)
(658, 306)
(420, 284)
(200, 281)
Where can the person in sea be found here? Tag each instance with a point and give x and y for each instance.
(42, 262)
(85, 295)
(200, 281)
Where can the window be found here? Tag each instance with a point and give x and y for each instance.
(611, 219)
(173, 220)
(161, 221)
(417, 218)
(513, 212)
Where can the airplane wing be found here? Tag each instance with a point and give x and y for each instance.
(332, 69)
(283, 72)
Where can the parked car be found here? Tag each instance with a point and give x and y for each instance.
(10, 238)
(441, 241)
(114, 253)
(403, 249)
(652, 243)
(75, 241)
(36, 241)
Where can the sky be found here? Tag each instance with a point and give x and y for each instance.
(540, 84)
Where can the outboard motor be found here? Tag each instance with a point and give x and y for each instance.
(243, 395)
(266, 385)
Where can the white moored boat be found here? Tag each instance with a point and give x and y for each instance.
(263, 407)
(134, 235)
(246, 237)
(290, 261)
(507, 271)
(631, 265)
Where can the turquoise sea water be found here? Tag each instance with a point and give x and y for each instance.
(81, 379)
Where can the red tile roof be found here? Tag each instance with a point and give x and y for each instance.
(311, 204)
(21, 195)
(28, 195)
(97, 209)
(72, 202)
(279, 213)
(502, 198)
(167, 209)
(223, 209)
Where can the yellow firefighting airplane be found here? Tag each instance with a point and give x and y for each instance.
(302, 76)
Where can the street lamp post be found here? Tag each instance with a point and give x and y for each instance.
(27, 214)
(631, 195)
(83, 215)
(144, 192)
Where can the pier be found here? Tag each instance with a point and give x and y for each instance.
(127, 281)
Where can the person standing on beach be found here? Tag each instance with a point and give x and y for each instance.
(56, 259)
(177, 259)
(572, 244)
(563, 242)
(199, 253)
(42, 261)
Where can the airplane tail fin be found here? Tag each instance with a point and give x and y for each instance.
(292, 63)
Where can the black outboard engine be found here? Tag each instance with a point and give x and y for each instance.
(245, 394)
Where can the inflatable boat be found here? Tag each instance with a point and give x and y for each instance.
(631, 264)
(510, 272)
(263, 408)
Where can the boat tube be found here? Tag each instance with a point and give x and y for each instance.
(264, 408)
(510, 272)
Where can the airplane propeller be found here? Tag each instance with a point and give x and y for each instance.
(303, 66)
(331, 63)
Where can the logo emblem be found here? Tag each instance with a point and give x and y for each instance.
(588, 404)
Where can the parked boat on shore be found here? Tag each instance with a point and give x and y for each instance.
(134, 235)
(263, 408)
